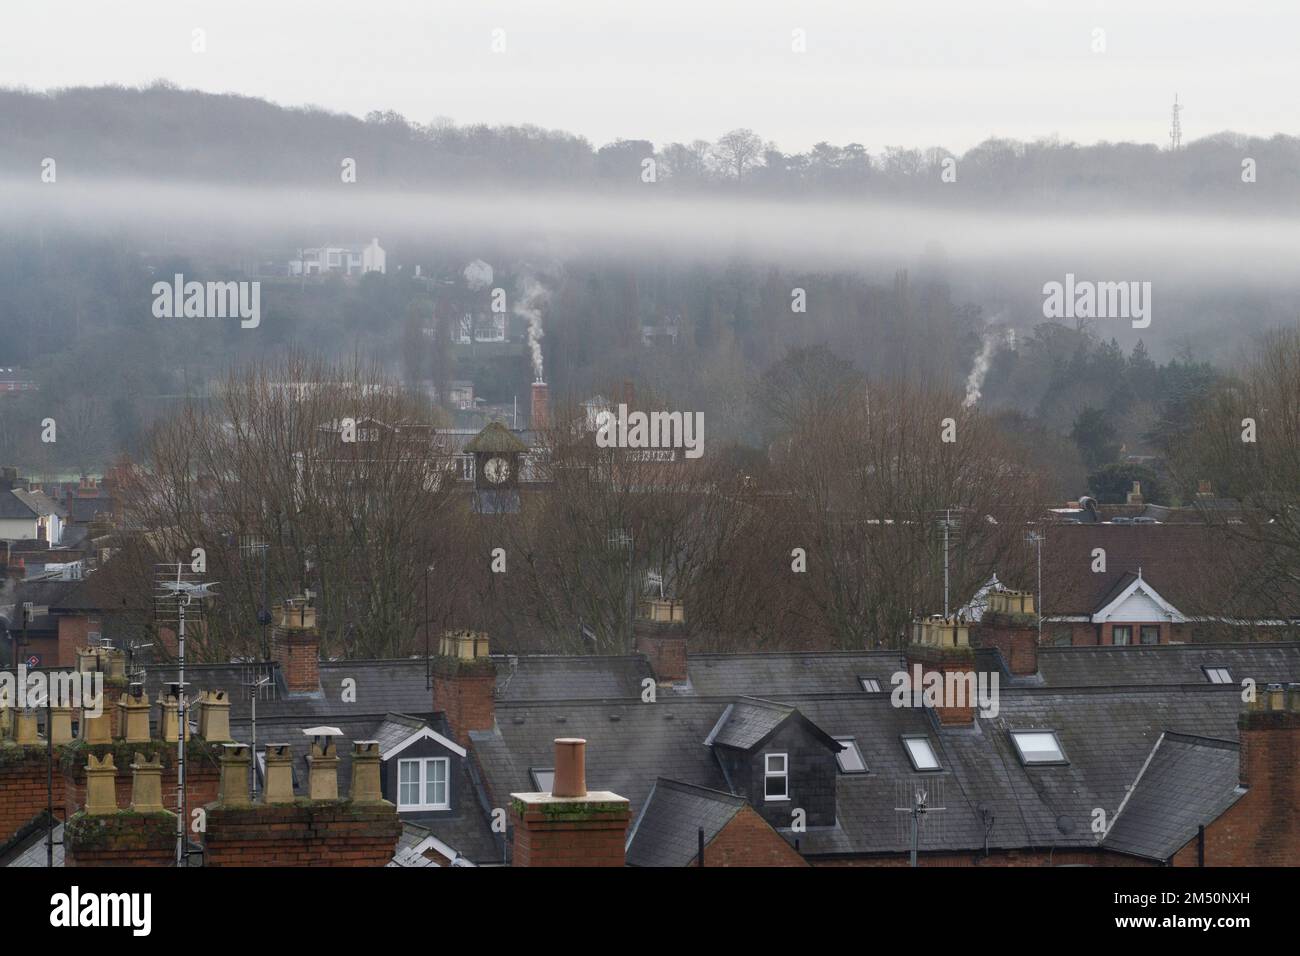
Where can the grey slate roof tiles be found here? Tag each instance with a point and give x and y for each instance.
(667, 831)
(1189, 781)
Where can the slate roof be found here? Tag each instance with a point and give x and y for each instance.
(629, 744)
(557, 677)
(667, 831)
(39, 502)
(33, 851)
(773, 674)
(747, 723)
(1265, 662)
(1188, 781)
(382, 687)
(14, 505)
(1106, 735)
(395, 729)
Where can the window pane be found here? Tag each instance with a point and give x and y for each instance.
(775, 787)
(1039, 747)
(1150, 635)
(850, 758)
(1121, 635)
(408, 787)
(776, 763)
(922, 756)
(435, 777)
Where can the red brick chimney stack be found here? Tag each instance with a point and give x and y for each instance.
(942, 646)
(660, 632)
(464, 683)
(541, 406)
(1010, 624)
(570, 826)
(295, 645)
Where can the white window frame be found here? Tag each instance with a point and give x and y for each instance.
(1211, 670)
(422, 779)
(783, 776)
(862, 682)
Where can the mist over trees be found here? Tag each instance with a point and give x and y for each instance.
(167, 134)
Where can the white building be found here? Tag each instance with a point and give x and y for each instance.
(344, 260)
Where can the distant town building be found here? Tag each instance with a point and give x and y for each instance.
(14, 380)
(342, 260)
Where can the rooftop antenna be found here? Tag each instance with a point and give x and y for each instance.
(949, 524)
(1036, 538)
(1175, 127)
(920, 799)
(173, 601)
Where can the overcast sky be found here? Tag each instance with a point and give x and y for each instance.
(905, 72)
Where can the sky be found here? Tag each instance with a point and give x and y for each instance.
(877, 72)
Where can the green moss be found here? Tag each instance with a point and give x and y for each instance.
(86, 832)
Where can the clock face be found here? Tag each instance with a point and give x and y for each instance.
(496, 470)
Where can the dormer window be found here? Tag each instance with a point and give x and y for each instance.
(850, 758)
(920, 753)
(1037, 747)
(422, 784)
(1217, 674)
(869, 684)
(776, 777)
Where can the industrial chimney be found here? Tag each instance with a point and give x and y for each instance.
(541, 413)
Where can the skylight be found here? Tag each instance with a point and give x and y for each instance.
(1037, 746)
(850, 758)
(870, 684)
(543, 780)
(1217, 675)
(920, 753)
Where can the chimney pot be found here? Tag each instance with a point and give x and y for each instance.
(365, 772)
(570, 778)
(235, 760)
(323, 771)
(146, 785)
(101, 786)
(279, 774)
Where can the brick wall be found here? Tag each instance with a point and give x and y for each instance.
(22, 786)
(589, 833)
(748, 841)
(465, 692)
(664, 647)
(1019, 645)
(298, 651)
(127, 839)
(302, 834)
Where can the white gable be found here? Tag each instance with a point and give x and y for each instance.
(1139, 603)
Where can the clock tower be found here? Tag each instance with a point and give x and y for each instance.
(498, 457)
